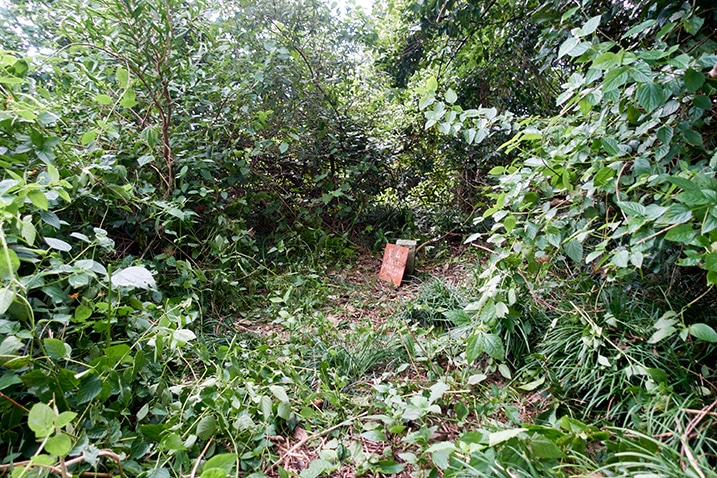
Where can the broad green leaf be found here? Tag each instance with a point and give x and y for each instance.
(639, 28)
(437, 390)
(703, 102)
(610, 145)
(661, 334)
(90, 387)
(615, 78)
(703, 332)
(103, 99)
(122, 77)
(183, 336)
(458, 317)
(632, 208)
(59, 445)
(375, 435)
(279, 392)
(64, 418)
(692, 137)
(676, 214)
(530, 386)
(129, 99)
(206, 428)
(172, 441)
(9, 379)
(544, 447)
(567, 46)
(606, 61)
(505, 371)
(603, 176)
(283, 410)
(591, 25)
(38, 199)
(58, 244)
(317, 468)
(650, 96)
(216, 473)
(28, 231)
(7, 297)
(621, 259)
(283, 147)
(710, 261)
(574, 250)
(9, 263)
(225, 461)
(432, 84)
(389, 467)
(682, 233)
(509, 223)
(41, 420)
(496, 438)
(133, 276)
(88, 137)
(57, 349)
(451, 96)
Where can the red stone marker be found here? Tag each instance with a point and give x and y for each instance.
(394, 264)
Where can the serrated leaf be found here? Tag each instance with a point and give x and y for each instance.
(133, 276)
(41, 420)
(458, 317)
(650, 96)
(676, 214)
(58, 445)
(703, 332)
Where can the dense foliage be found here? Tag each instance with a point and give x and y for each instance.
(185, 185)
